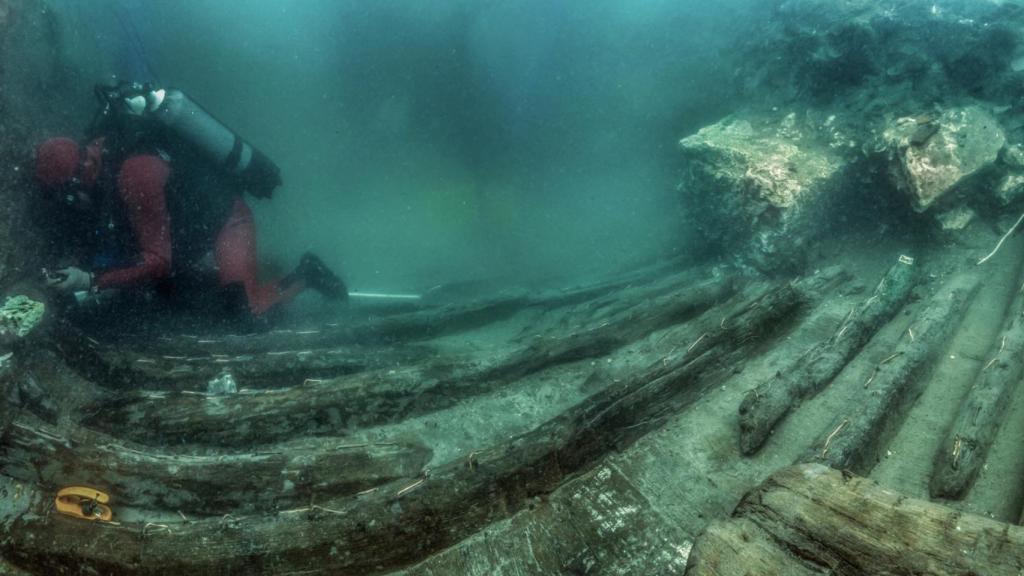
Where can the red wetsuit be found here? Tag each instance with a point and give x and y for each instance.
(140, 185)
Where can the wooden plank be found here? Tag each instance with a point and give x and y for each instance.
(966, 445)
(622, 534)
(287, 357)
(314, 408)
(372, 398)
(104, 365)
(769, 402)
(260, 370)
(598, 523)
(816, 520)
(855, 438)
(208, 484)
(615, 328)
(741, 547)
(401, 523)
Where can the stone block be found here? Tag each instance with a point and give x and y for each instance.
(930, 156)
(752, 186)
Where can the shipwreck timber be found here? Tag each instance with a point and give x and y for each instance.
(809, 519)
(536, 462)
(591, 430)
(271, 480)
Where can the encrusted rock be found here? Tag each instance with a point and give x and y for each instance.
(845, 50)
(1010, 188)
(751, 186)
(19, 315)
(1012, 155)
(956, 219)
(223, 384)
(931, 156)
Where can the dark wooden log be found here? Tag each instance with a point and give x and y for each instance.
(274, 369)
(286, 357)
(615, 329)
(331, 407)
(740, 547)
(314, 408)
(855, 438)
(117, 366)
(404, 522)
(809, 519)
(29, 395)
(766, 404)
(209, 484)
(981, 412)
(113, 362)
(666, 275)
(20, 390)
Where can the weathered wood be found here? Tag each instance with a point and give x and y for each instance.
(809, 519)
(741, 547)
(372, 398)
(403, 522)
(670, 273)
(286, 357)
(255, 417)
(615, 330)
(598, 523)
(856, 436)
(211, 484)
(981, 412)
(10, 396)
(769, 402)
(196, 361)
(29, 395)
(275, 369)
(105, 362)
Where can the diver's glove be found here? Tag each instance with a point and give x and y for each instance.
(70, 280)
(131, 98)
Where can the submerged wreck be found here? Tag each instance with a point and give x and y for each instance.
(834, 391)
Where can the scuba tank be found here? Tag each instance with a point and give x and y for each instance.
(141, 113)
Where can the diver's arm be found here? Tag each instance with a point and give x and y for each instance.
(141, 186)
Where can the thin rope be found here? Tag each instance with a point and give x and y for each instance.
(1001, 240)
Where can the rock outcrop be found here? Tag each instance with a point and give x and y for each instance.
(755, 187)
(19, 315)
(894, 51)
(931, 156)
(1010, 188)
(903, 107)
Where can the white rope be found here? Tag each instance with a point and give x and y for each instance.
(1001, 240)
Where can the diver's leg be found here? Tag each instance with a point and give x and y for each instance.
(235, 252)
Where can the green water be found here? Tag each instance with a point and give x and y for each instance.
(426, 142)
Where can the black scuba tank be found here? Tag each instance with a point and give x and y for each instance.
(144, 111)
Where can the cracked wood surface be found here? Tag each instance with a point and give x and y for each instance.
(401, 523)
(810, 519)
(772, 400)
(333, 407)
(983, 409)
(288, 476)
(857, 436)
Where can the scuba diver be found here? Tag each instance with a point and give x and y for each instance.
(153, 202)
